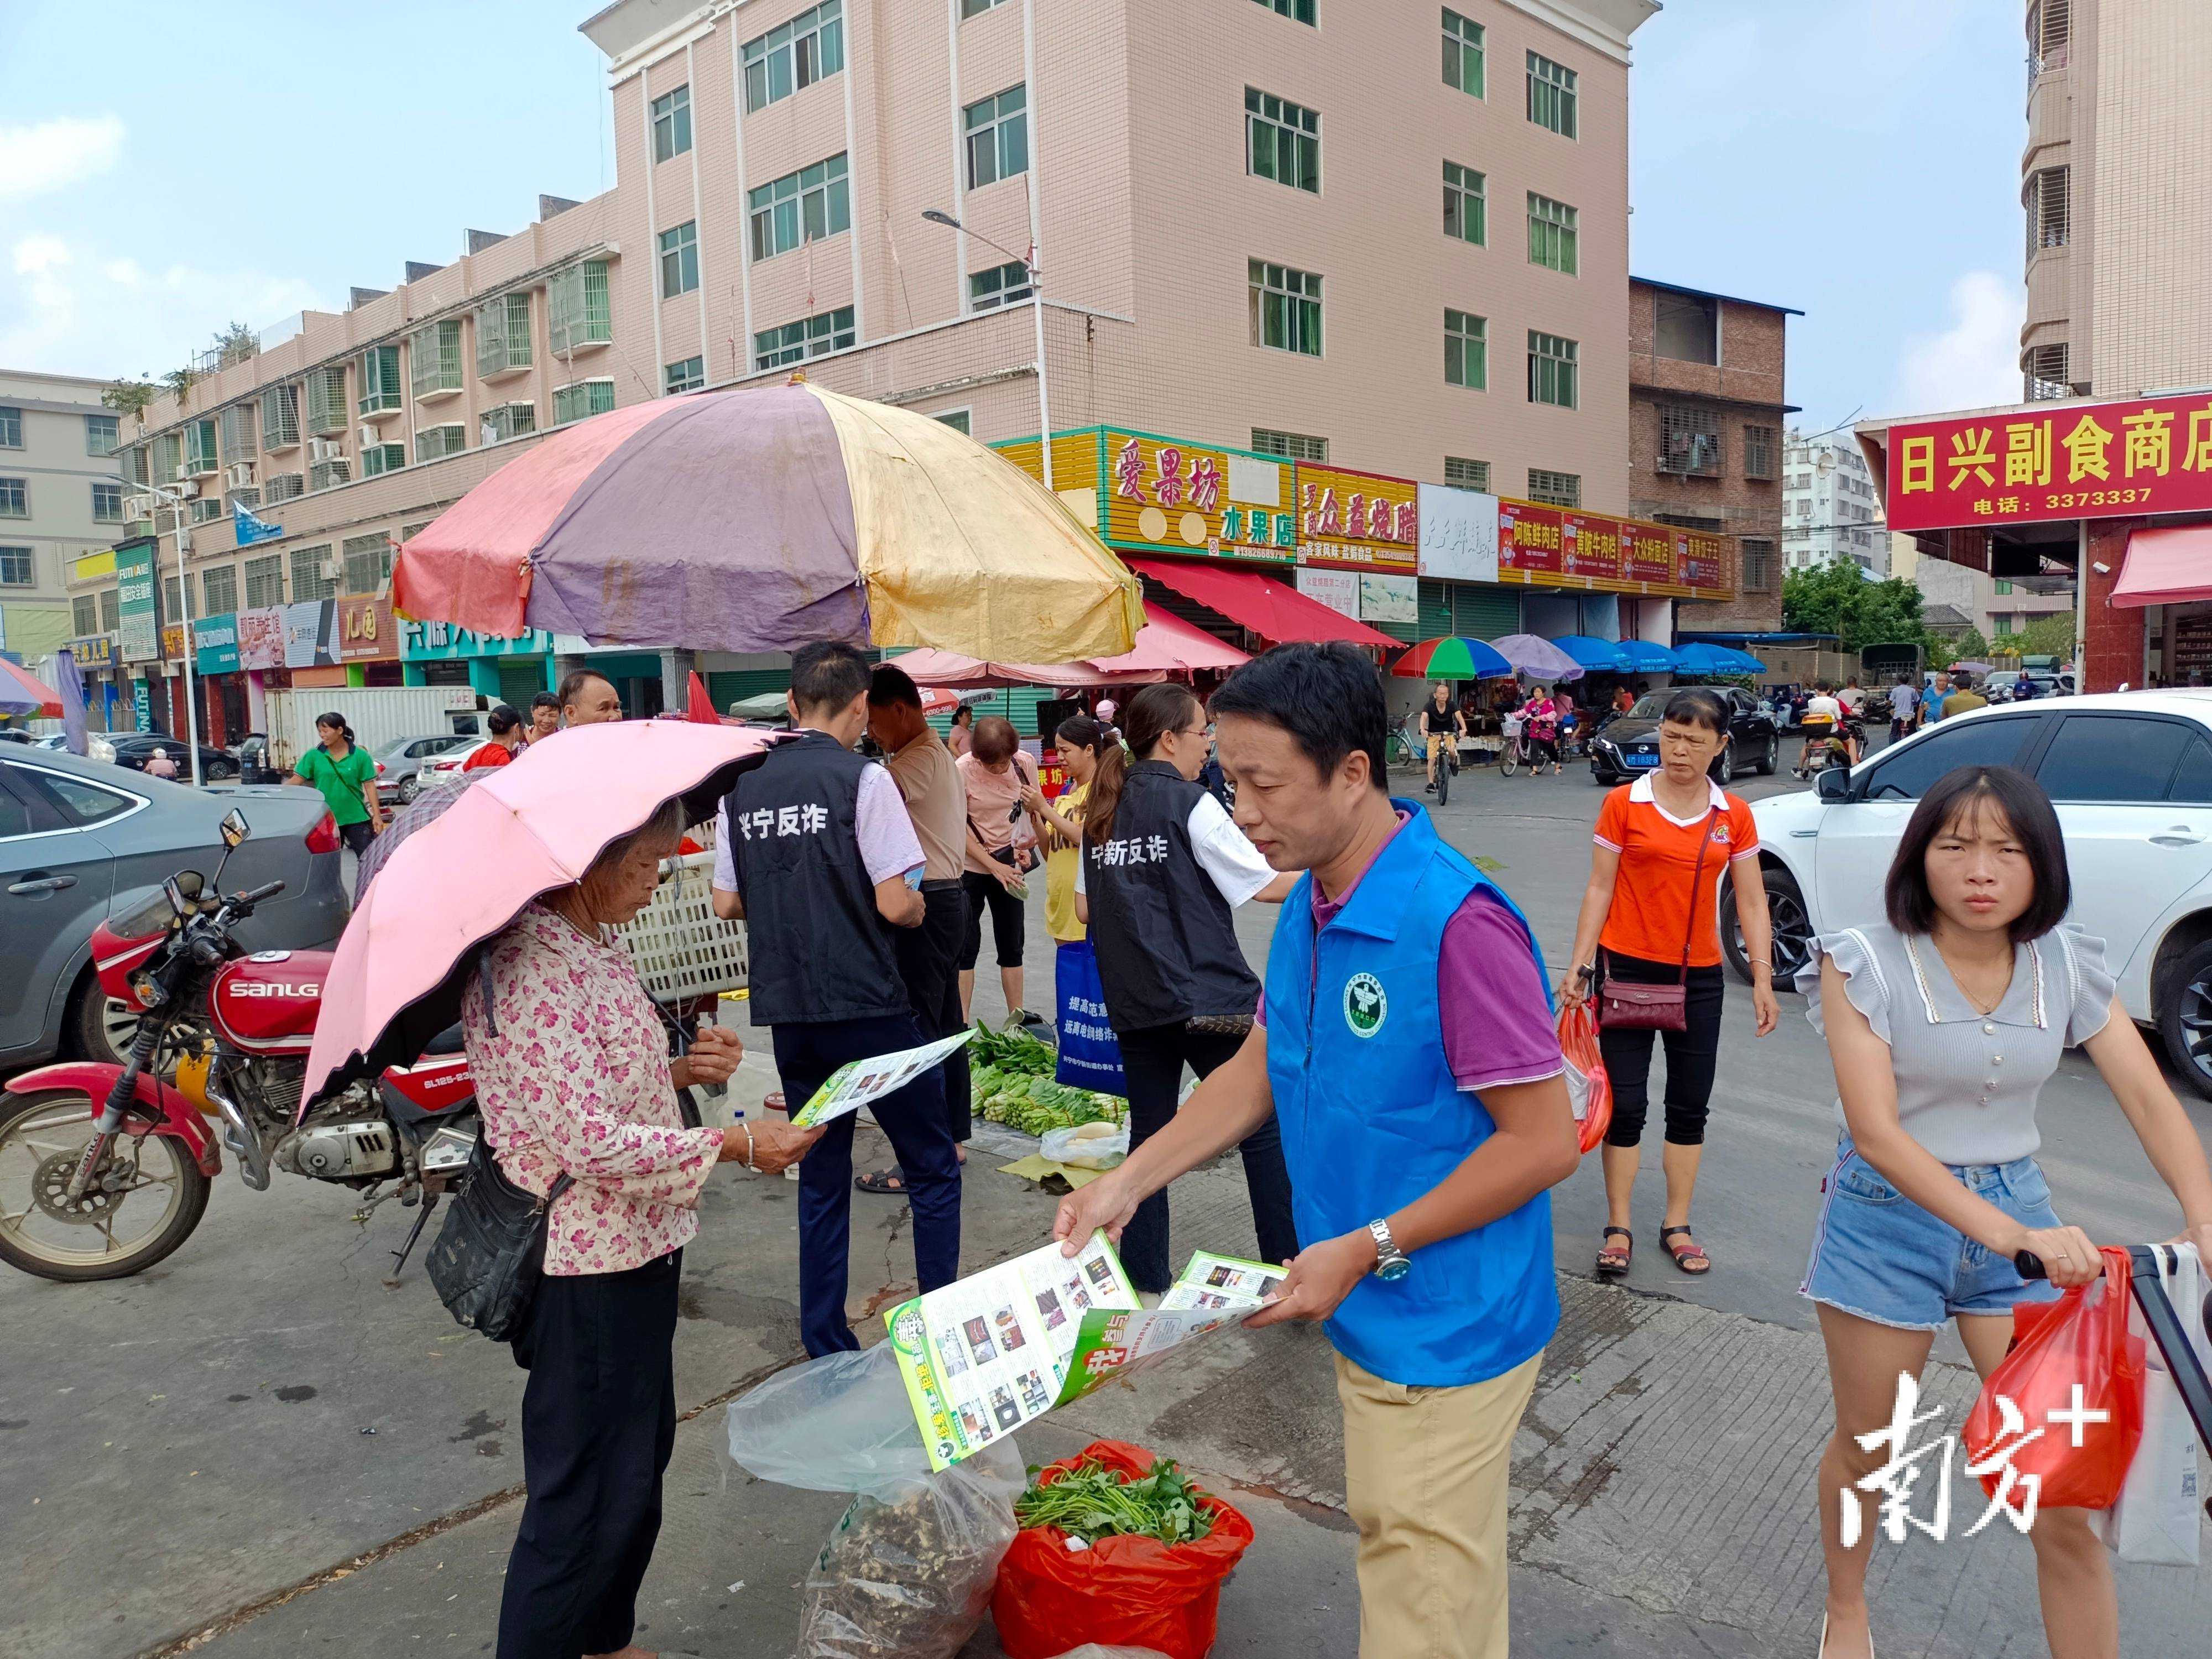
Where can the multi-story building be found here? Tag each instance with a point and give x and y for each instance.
(1705, 385)
(1996, 607)
(2116, 182)
(59, 503)
(1829, 507)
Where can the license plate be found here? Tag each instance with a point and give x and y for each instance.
(1641, 760)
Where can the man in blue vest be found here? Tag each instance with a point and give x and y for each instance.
(1408, 1052)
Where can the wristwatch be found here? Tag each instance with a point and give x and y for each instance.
(1390, 1262)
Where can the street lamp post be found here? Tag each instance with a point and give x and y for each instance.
(175, 503)
(937, 217)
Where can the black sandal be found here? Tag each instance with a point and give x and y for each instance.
(888, 1183)
(1612, 1263)
(1691, 1258)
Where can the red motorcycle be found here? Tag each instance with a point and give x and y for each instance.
(104, 1169)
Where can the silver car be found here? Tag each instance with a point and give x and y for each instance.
(403, 764)
(79, 841)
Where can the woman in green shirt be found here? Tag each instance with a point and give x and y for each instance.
(347, 777)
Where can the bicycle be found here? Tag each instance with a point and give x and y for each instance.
(1514, 754)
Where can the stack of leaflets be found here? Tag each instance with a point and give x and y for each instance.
(859, 1082)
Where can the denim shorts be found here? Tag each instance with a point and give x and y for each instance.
(1880, 1255)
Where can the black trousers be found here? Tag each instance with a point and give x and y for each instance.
(1692, 1056)
(1008, 922)
(1152, 1060)
(928, 960)
(357, 836)
(598, 1422)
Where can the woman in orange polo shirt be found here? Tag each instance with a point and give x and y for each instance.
(1648, 917)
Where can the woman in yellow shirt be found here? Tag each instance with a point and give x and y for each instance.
(1082, 742)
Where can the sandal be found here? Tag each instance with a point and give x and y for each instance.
(1612, 1262)
(1691, 1258)
(887, 1183)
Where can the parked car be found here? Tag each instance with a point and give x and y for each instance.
(1629, 744)
(2131, 778)
(135, 749)
(81, 841)
(97, 746)
(17, 734)
(404, 760)
(448, 764)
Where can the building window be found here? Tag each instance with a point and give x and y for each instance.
(111, 609)
(505, 421)
(976, 8)
(687, 376)
(328, 475)
(1759, 567)
(1282, 141)
(265, 582)
(1551, 235)
(1464, 202)
(84, 614)
(956, 419)
(1467, 353)
(1462, 53)
(11, 426)
(309, 581)
(1466, 475)
(434, 358)
(368, 561)
(16, 568)
(672, 124)
(1299, 11)
(2002, 586)
(576, 308)
(810, 337)
(1759, 443)
(1285, 308)
(1551, 95)
(679, 259)
(1689, 442)
(803, 206)
(279, 418)
(326, 401)
(1552, 369)
(434, 443)
(2003, 625)
(795, 55)
(377, 459)
(169, 455)
(202, 455)
(135, 463)
(380, 380)
(503, 335)
(102, 434)
(219, 590)
(108, 503)
(1555, 488)
(14, 498)
(1291, 445)
(285, 487)
(997, 136)
(1001, 285)
(578, 398)
(172, 597)
(205, 510)
(2043, 373)
(248, 498)
(235, 432)
(2045, 197)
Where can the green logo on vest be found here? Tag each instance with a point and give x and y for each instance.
(1365, 1005)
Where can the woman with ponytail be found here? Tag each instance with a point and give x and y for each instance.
(1162, 870)
(347, 776)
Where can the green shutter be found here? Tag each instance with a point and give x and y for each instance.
(1480, 612)
(519, 680)
(728, 685)
(1436, 611)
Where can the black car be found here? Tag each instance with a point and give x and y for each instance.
(137, 748)
(1628, 744)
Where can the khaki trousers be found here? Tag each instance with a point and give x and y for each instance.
(1425, 1479)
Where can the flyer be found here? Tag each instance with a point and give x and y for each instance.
(857, 1082)
(1223, 1282)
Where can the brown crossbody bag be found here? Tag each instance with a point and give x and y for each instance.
(1632, 1007)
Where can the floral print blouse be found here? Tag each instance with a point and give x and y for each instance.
(572, 1074)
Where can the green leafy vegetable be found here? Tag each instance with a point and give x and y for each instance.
(1092, 1502)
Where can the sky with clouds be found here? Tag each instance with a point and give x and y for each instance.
(166, 170)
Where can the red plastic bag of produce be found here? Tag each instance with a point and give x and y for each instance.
(1588, 1086)
(1121, 1592)
(2074, 1384)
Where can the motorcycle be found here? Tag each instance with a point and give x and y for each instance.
(104, 1169)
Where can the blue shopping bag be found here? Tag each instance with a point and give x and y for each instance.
(1090, 1057)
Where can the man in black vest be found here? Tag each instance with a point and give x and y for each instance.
(815, 851)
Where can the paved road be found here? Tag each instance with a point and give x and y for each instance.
(258, 1449)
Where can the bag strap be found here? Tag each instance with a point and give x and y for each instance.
(1690, 932)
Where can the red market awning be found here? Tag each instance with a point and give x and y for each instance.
(1277, 614)
(1168, 644)
(2167, 566)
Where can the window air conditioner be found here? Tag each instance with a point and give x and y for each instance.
(329, 570)
(136, 508)
(322, 450)
(239, 475)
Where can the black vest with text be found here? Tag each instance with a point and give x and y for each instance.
(1166, 943)
(818, 949)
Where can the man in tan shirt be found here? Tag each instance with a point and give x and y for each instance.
(928, 778)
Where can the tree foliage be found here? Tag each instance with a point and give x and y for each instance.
(128, 398)
(1836, 598)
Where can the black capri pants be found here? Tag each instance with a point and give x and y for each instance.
(1693, 1055)
(1008, 920)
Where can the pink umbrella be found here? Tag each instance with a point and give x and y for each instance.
(535, 824)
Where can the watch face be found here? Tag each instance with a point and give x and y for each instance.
(1396, 1269)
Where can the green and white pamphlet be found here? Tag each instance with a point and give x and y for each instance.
(857, 1082)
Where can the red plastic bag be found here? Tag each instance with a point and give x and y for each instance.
(2073, 1363)
(1588, 1086)
(1121, 1592)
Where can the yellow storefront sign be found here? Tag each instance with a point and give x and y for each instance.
(1159, 495)
(1358, 518)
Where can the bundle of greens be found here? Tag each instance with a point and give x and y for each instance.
(1092, 1502)
(1010, 1081)
(1012, 1050)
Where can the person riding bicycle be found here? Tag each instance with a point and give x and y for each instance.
(1441, 728)
(1824, 716)
(1543, 730)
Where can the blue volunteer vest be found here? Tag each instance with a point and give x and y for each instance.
(1371, 1119)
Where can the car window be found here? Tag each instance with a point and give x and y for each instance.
(78, 801)
(2113, 757)
(2192, 780)
(15, 814)
(1907, 775)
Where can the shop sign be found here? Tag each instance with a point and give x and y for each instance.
(1529, 538)
(311, 634)
(1358, 518)
(172, 641)
(93, 566)
(1647, 553)
(141, 706)
(139, 602)
(215, 642)
(1590, 547)
(437, 641)
(1389, 599)
(94, 650)
(366, 633)
(261, 638)
(2074, 461)
(1337, 589)
(1164, 494)
(1458, 534)
(1700, 560)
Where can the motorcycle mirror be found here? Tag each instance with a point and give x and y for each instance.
(235, 830)
(191, 882)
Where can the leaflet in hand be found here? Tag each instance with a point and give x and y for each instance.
(1223, 1282)
(1214, 1292)
(857, 1082)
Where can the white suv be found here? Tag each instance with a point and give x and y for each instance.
(2131, 778)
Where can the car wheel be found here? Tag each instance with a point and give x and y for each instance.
(1792, 940)
(2185, 1019)
(216, 771)
(409, 786)
(101, 1028)
(1724, 767)
(1768, 766)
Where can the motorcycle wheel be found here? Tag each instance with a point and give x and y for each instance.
(41, 1136)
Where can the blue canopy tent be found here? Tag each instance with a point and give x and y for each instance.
(1647, 656)
(1595, 655)
(1702, 658)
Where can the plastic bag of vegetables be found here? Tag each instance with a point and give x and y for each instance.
(1087, 1145)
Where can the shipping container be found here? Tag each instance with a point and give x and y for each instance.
(380, 716)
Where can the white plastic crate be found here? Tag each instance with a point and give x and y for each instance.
(682, 949)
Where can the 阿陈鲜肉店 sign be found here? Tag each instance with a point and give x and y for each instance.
(1545, 545)
(2069, 461)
